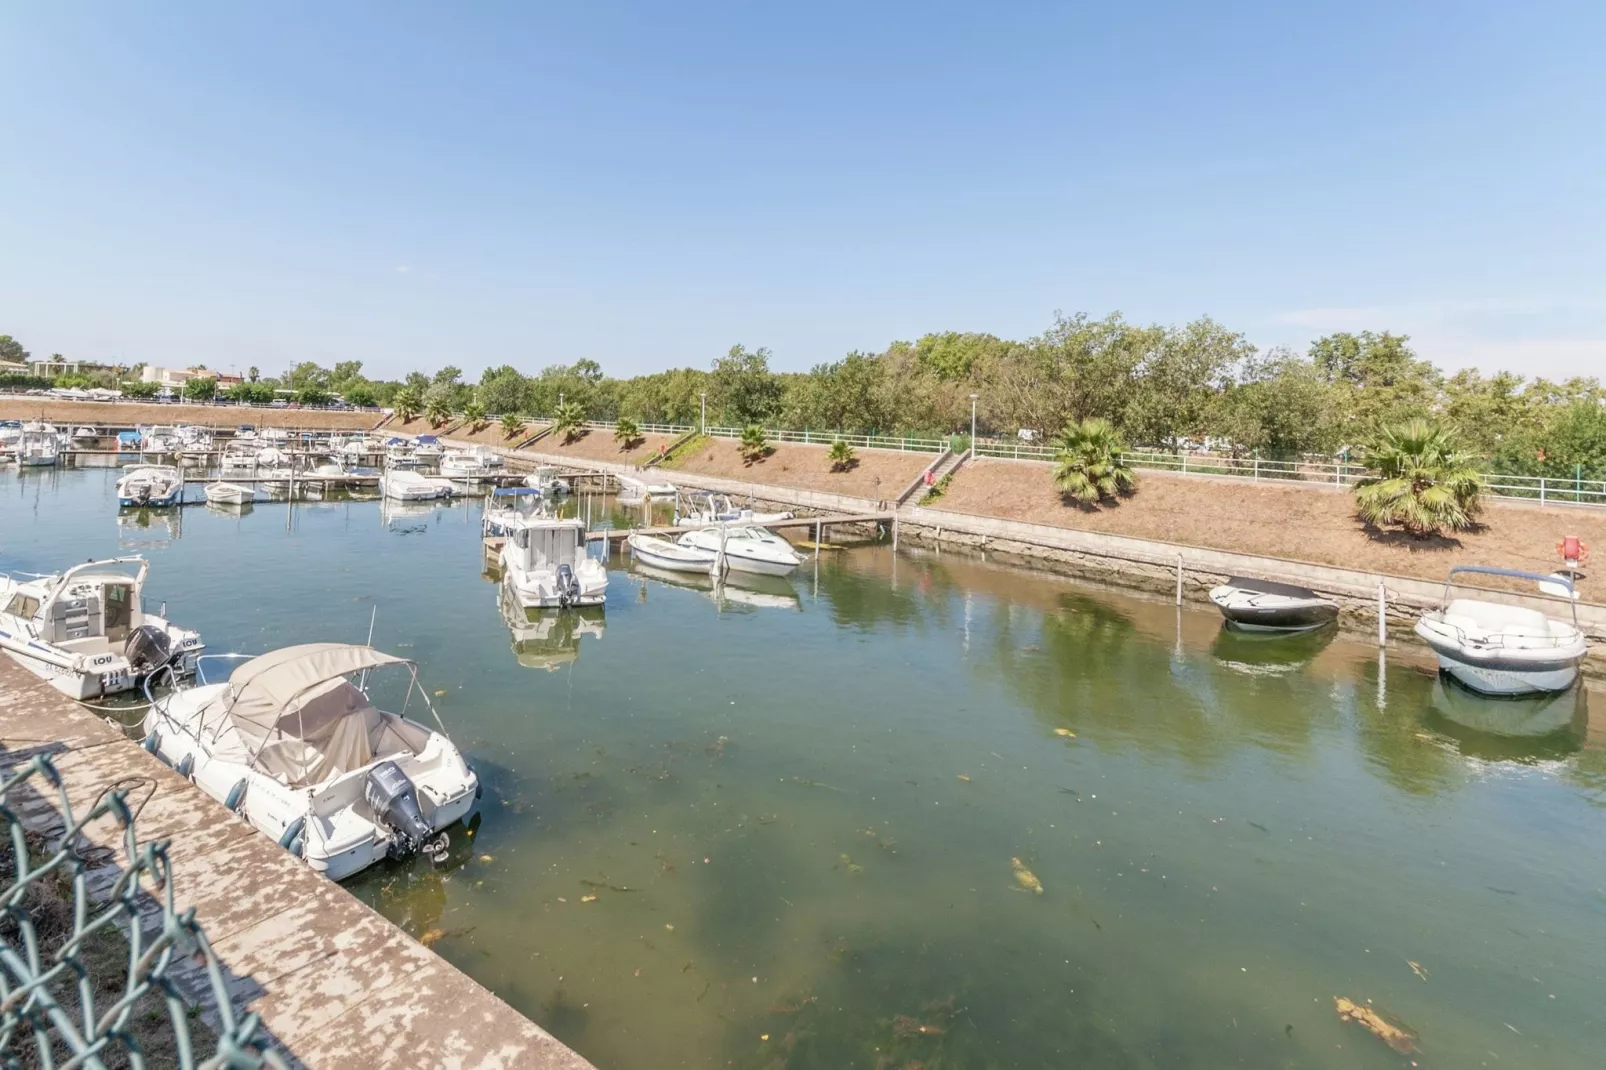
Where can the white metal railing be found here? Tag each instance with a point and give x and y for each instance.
(1544, 489)
(902, 443)
(646, 429)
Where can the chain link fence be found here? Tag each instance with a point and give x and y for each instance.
(83, 983)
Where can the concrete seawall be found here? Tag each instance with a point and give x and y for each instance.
(336, 984)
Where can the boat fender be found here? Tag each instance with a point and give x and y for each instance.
(236, 796)
(152, 742)
(185, 764)
(290, 840)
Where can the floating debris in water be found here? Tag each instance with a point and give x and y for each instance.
(1258, 825)
(965, 777)
(1065, 733)
(431, 936)
(487, 858)
(669, 928)
(1025, 877)
(905, 1026)
(847, 862)
(589, 898)
(441, 692)
(1416, 968)
(1394, 1034)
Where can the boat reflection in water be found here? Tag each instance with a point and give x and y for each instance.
(739, 589)
(1268, 653)
(146, 527)
(231, 510)
(1522, 728)
(549, 638)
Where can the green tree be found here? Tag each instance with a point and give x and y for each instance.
(1424, 483)
(474, 415)
(408, 403)
(305, 374)
(361, 395)
(503, 390)
(512, 425)
(11, 350)
(625, 432)
(251, 373)
(755, 445)
(742, 389)
(1281, 407)
(200, 388)
(312, 394)
(249, 393)
(140, 389)
(1088, 463)
(568, 420)
(841, 456)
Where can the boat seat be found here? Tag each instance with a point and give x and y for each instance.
(1489, 618)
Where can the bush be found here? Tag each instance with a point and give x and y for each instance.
(625, 432)
(841, 456)
(1424, 483)
(1088, 465)
(755, 446)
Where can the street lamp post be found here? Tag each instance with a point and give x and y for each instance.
(704, 397)
(973, 398)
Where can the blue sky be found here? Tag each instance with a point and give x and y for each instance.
(419, 184)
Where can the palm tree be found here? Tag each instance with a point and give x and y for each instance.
(754, 445)
(841, 456)
(407, 403)
(568, 419)
(439, 410)
(1088, 464)
(1424, 483)
(512, 424)
(474, 416)
(625, 432)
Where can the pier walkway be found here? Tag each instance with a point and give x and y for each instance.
(335, 983)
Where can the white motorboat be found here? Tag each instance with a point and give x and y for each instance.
(245, 433)
(546, 480)
(706, 509)
(477, 462)
(273, 435)
(427, 450)
(221, 493)
(293, 743)
(634, 491)
(83, 435)
(196, 443)
(1265, 606)
(1500, 649)
(406, 485)
(399, 454)
(272, 459)
(670, 556)
(745, 548)
(158, 439)
(85, 631)
(150, 486)
(543, 558)
(39, 445)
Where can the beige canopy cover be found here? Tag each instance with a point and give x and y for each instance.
(293, 714)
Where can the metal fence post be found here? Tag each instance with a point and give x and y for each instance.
(1541, 490)
(1257, 466)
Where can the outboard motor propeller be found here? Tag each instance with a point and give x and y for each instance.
(394, 801)
(148, 648)
(568, 586)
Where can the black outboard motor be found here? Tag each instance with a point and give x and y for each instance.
(568, 586)
(394, 801)
(148, 648)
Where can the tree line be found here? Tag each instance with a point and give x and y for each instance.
(1166, 387)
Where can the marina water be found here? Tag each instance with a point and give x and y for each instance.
(787, 827)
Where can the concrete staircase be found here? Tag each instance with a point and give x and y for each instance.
(946, 464)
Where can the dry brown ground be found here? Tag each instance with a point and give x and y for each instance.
(1301, 522)
(598, 445)
(132, 413)
(879, 474)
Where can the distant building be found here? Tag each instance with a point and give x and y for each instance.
(175, 378)
(11, 367)
(49, 369)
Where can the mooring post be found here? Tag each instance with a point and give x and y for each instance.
(894, 532)
(816, 538)
(1382, 614)
(1179, 579)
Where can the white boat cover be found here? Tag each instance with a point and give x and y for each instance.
(293, 715)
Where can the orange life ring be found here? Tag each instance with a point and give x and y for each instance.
(1572, 548)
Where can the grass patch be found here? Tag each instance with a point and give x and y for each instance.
(686, 450)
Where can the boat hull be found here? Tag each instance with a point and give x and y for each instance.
(757, 567)
(1262, 612)
(1489, 680)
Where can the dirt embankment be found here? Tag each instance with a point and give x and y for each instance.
(599, 445)
(875, 474)
(1301, 522)
(131, 414)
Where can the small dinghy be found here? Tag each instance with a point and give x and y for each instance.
(1264, 606)
(292, 743)
(230, 493)
(670, 556)
(706, 510)
(405, 485)
(634, 491)
(1499, 649)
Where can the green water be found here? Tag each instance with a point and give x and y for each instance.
(798, 816)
